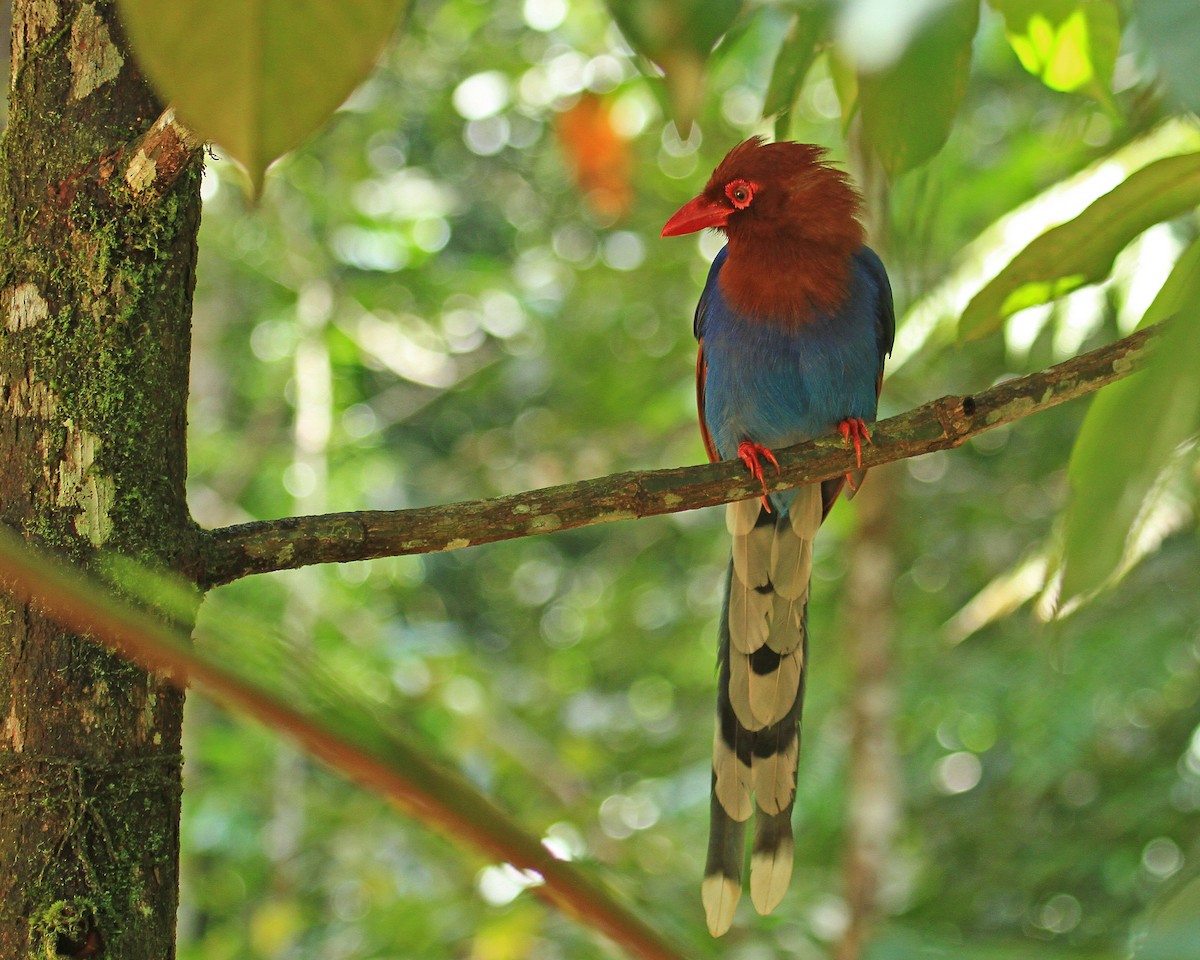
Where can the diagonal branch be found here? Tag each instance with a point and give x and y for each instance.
(350, 743)
(230, 553)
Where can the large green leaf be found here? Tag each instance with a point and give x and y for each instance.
(1070, 45)
(1172, 929)
(1171, 29)
(909, 108)
(1130, 433)
(1081, 251)
(678, 36)
(800, 47)
(258, 76)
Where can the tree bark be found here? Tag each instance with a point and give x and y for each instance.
(873, 776)
(96, 278)
(868, 624)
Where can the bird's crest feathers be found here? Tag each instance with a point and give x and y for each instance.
(792, 223)
(790, 189)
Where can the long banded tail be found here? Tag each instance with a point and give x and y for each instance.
(760, 693)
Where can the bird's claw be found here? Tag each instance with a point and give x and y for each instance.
(748, 452)
(854, 430)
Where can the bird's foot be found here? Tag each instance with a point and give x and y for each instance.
(854, 430)
(748, 452)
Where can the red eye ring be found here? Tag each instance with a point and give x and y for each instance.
(740, 193)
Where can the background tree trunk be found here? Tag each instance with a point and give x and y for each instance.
(873, 788)
(95, 303)
(869, 626)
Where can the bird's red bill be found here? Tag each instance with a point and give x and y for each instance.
(696, 215)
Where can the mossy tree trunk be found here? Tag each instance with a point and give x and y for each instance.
(96, 279)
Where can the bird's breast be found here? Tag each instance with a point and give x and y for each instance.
(779, 383)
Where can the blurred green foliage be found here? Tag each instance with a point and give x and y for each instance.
(1118, 427)
(909, 106)
(426, 307)
(1071, 45)
(1082, 251)
(1170, 30)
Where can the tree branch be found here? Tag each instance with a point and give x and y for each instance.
(230, 553)
(160, 156)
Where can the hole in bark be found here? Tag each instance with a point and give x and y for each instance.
(88, 944)
(79, 937)
(66, 928)
(968, 405)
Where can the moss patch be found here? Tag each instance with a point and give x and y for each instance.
(65, 928)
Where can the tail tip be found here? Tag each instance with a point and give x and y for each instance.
(770, 874)
(720, 895)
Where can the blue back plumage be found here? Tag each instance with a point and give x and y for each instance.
(780, 383)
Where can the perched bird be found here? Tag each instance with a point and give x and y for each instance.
(794, 324)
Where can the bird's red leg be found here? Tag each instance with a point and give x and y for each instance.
(854, 430)
(749, 452)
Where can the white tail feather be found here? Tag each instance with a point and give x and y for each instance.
(739, 691)
(720, 896)
(791, 563)
(771, 695)
(749, 617)
(733, 780)
(741, 516)
(774, 779)
(806, 511)
(787, 619)
(770, 874)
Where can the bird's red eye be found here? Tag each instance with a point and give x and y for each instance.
(740, 193)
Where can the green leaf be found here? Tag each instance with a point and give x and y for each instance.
(909, 108)
(808, 33)
(1130, 433)
(677, 36)
(258, 76)
(659, 29)
(1082, 251)
(1172, 930)
(1070, 45)
(845, 85)
(1172, 31)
